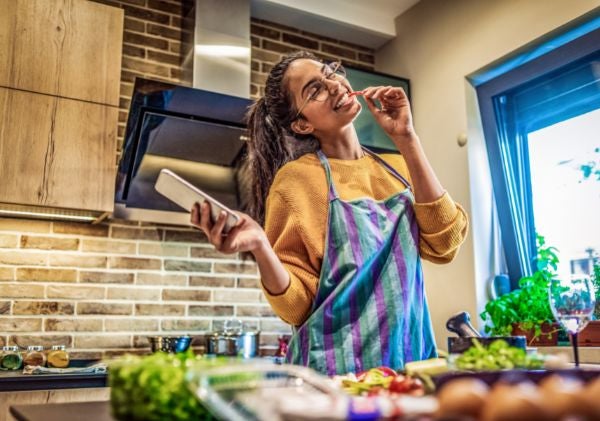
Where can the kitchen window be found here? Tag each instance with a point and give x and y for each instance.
(541, 122)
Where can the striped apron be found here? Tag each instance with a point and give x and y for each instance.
(370, 308)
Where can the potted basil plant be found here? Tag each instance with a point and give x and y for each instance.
(526, 310)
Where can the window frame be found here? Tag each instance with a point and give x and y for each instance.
(513, 191)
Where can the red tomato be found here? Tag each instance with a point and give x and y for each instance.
(407, 385)
(387, 371)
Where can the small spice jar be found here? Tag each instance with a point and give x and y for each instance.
(58, 357)
(11, 358)
(35, 356)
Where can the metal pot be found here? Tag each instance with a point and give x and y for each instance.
(233, 341)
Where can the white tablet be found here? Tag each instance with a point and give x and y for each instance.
(185, 194)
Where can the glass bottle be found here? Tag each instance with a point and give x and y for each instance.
(58, 357)
(35, 356)
(11, 358)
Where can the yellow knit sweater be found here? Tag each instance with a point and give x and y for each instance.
(296, 220)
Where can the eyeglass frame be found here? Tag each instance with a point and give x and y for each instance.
(336, 66)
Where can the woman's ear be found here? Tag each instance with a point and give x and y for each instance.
(302, 126)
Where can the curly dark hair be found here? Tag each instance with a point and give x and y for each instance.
(272, 142)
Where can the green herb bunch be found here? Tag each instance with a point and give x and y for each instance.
(497, 356)
(154, 388)
(528, 304)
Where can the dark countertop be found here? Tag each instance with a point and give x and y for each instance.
(94, 411)
(12, 381)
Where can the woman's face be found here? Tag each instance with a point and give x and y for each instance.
(334, 111)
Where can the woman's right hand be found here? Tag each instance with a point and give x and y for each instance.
(246, 235)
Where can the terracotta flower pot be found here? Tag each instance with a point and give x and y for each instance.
(548, 337)
(590, 335)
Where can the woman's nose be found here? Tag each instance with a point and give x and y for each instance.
(333, 85)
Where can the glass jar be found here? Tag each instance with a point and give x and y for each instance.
(11, 358)
(35, 356)
(58, 357)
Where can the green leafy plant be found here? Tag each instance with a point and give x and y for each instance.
(528, 304)
(596, 281)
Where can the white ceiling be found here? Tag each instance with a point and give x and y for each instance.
(370, 23)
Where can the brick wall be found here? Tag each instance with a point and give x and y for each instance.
(101, 289)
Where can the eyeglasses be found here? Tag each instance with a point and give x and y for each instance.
(317, 90)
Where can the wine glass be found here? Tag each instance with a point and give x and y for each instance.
(572, 301)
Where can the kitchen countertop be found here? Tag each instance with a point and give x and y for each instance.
(12, 381)
(94, 411)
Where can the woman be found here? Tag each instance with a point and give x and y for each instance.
(344, 229)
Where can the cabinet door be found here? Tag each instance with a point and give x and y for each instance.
(56, 152)
(69, 48)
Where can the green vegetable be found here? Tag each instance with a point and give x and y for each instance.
(154, 388)
(499, 355)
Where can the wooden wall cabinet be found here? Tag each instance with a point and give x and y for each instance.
(60, 65)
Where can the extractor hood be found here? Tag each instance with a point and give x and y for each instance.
(197, 131)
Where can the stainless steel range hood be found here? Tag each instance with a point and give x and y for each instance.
(198, 133)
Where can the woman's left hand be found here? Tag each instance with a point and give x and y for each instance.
(393, 113)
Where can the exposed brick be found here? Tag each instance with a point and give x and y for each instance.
(73, 292)
(211, 281)
(73, 325)
(185, 325)
(210, 252)
(21, 291)
(143, 41)
(163, 249)
(133, 294)
(77, 260)
(100, 230)
(134, 2)
(20, 258)
(103, 341)
(104, 308)
(145, 14)
(175, 47)
(164, 58)
(5, 307)
(254, 41)
(300, 41)
(185, 295)
(108, 246)
(255, 65)
(278, 47)
(210, 310)
(235, 296)
(265, 32)
(124, 102)
(106, 277)
(131, 51)
(42, 307)
(126, 89)
(187, 266)
(130, 325)
(176, 21)
(134, 263)
(134, 25)
(8, 241)
(241, 268)
(275, 325)
(368, 58)
(129, 76)
(49, 243)
(190, 236)
(7, 274)
(46, 275)
(254, 311)
(258, 78)
(248, 283)
(163, 31)
(160, 279)
(130, 233)
(159, 310)
(86, 355)
(338, 51)
(176, 73)
(46, 341)
(14, 324)
(24, 225)
(266, 67)
(164, 6)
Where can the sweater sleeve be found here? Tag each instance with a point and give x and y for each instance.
(287, 238)
(443, 228)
